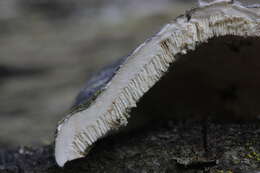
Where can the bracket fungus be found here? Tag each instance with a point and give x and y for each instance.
(202, 61)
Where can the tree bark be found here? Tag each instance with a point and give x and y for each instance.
(167, 147)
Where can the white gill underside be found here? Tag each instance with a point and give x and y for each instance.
(143, 68)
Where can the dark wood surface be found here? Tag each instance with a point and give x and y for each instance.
(166, 147)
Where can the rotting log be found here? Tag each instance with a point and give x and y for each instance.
(203, 64)
(167, 147)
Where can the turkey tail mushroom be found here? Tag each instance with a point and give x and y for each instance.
(110, 96)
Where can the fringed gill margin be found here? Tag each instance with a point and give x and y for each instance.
(182, 35)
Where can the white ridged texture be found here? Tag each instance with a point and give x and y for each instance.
(144, 67)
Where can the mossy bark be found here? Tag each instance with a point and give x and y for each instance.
(168, 147)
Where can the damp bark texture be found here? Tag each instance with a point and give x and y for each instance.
(168, 147)
(109, 99)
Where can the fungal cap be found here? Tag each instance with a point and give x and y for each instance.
(113, 98)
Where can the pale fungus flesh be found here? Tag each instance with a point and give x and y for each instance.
(111, 96)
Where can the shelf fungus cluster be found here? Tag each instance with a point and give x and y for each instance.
(202, 62)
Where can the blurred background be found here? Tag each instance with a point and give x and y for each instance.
(49, 48)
